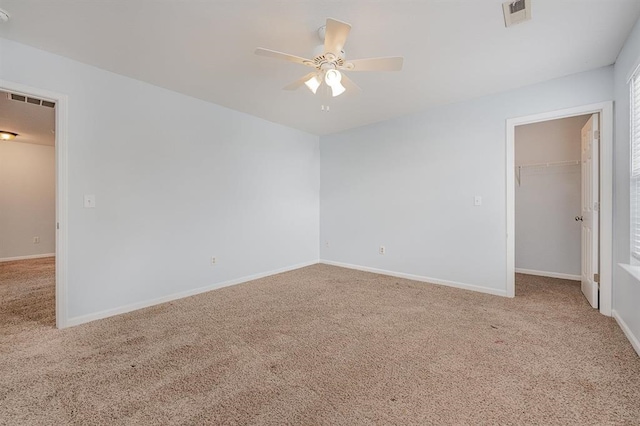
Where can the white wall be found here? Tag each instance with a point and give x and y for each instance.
(409, 184)
(177, 180)
(548, 199)
(626, 290)
(27, 199)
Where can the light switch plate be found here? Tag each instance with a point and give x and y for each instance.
(89, 201)
(477, 200)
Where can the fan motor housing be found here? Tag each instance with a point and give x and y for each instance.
(326, 60)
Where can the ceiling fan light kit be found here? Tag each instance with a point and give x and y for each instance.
(333, 78)
(330, 63)
(7, 136)
(313, 83)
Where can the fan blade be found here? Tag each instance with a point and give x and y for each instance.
(300, 82)
(335, 36)
(375, 64)
(279, 55)
(351, 87)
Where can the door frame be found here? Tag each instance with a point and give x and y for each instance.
(605, 109)
(62, 188)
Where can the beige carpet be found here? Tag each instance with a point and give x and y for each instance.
(27, 295)
(320, 345)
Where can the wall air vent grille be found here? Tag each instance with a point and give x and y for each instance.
(516, 12)
(34, 101)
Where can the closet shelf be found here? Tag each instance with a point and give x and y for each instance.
(538, 165)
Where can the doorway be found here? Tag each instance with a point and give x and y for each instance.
(39, 101)
(556, 184)
(603, 218)
(27, 210)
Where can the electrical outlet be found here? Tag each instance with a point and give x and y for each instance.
(36, 240)
(213, 260)
(382, 250)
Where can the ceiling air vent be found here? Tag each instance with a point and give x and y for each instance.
(516, 12)
(19, 98)
(30, 100)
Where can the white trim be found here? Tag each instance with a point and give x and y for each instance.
(31, 256)
(463, 286)
(606, 209)
(633, 270)
(605, 109)
(511, 208)
(634, 258)
(147, 303)
(549, 274)
(62, 189)
(635, 342)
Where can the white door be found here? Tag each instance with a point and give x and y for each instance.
(590, 209)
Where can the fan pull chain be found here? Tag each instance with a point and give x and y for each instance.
(326, 95)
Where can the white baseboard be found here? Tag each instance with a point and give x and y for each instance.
(31, 256)
(147, 303)
(635, 342)
(420, 278)
(549, 274)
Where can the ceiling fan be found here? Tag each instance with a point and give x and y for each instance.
(330, 62)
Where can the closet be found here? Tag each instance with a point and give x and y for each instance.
(548, 197)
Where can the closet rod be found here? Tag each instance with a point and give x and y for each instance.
(550, 164)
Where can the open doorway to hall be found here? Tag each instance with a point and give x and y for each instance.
(27, 211)
(557, 203)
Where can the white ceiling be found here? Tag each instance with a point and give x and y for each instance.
(33, 123)
(453, 49)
